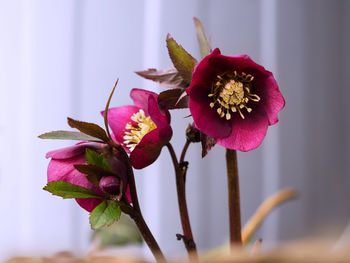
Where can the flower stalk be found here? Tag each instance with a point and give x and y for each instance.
(187, 236)
(135, 212)
(145, 231)
(233, 198)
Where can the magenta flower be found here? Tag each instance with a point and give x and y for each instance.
(61, 168)
(143, 129)
(234, 100)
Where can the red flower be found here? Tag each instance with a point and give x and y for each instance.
(234, 100)
(61, 168)
(143, 129)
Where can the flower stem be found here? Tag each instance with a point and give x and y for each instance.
(144, 230)
(187, 236)
(233, 198)
(134, 211)
(184, 150)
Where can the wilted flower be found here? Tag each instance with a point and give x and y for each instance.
(234, 100)
(61, 168)
(143, 129)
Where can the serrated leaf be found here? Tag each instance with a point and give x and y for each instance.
(93, 157)
(68, 190)
(68, 135)
(182, 60)
(88, 128)
(207, 143)
(105, 214)
(168, 77)
(173, 99)
(204, 45)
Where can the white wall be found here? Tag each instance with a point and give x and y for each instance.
(61, 58)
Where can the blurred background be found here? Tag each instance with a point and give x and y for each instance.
(62, 58)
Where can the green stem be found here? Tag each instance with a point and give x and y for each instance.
(187, 236)
(233, 198)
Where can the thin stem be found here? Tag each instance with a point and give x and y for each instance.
(131, 179)
(144, 230)
(185, 220)
(184, 150)
(233, 198)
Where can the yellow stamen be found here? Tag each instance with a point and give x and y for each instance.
(232, 92)
(135, 132)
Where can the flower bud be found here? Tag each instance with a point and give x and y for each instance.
(193, 134)
(110, 184)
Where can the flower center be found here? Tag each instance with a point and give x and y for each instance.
(135, 130)
(231, 92)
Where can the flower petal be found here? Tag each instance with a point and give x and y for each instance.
(156, 115)
(271, 98)
(206, 119)
(140, 98)
(148, 150)
(72, 151)
(118, 118)
(248, 133)
(63, 170)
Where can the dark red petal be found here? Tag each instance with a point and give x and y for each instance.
(271, 98)
(205, 118)
(140, 98)
(148, 150)
(73, 151)
(204, 74)
(118, 118)
(63, 170)
(248, 133)
(154, 112)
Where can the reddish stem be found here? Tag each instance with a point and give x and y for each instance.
(185, 220)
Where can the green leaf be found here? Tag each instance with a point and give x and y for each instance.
(105, 214)
(93, 157)
(182, 60)
(88, 128)
(68, 190)
(68, 135)
(173, 99)
(168, 77)
(204, 45)
(94, 172)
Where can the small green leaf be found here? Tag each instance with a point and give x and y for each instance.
(68, 135)
(105, 214)
(68, 190)
(182, 60)
(94, 172)
(93, 157)
(88, 128)
(168, 77)
(204, 45)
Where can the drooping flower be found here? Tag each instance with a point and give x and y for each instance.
(234, 100)
(61, 168)
(143, 129)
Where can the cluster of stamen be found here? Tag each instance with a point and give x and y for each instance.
(135, 130)
(231, 93)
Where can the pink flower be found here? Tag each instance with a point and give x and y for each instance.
(234, 100)
(143, 129)
(61, 168)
